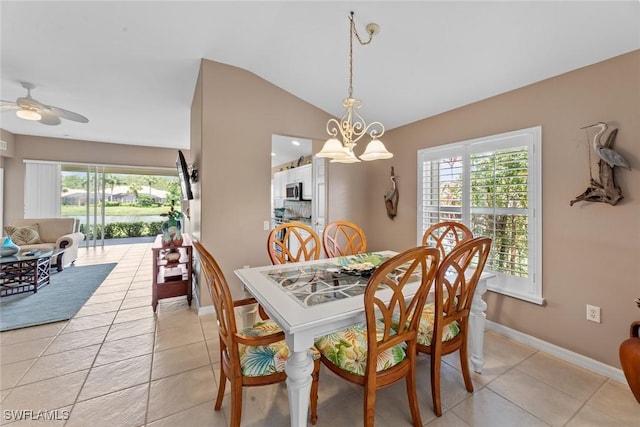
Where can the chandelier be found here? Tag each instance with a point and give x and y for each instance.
(352, 127)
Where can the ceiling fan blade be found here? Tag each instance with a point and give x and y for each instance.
(8, 106)
(69, 115)
(49, 118)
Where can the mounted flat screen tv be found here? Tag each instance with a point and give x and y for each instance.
(183, 176)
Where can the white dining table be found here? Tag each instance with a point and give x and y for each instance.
(312, 298)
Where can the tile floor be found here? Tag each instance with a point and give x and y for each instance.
(118, 364)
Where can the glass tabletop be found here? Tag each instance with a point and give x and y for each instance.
(315, 284)
(30, 255)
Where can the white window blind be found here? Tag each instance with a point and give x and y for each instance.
(42, 190)
(492, 185)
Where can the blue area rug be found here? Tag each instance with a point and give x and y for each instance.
(59, 300)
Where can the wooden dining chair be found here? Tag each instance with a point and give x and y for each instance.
(292, 242)
(341, 238)
(375, 354)
(253, 356)
(445, 236)
(444, 323)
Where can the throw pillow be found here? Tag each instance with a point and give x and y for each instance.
(25, 235)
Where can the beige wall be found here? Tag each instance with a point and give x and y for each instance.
(591, 250)
(73, 151)
(238, 112)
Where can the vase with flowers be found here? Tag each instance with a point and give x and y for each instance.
(172, 227)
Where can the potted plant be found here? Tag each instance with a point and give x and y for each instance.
(172, 227)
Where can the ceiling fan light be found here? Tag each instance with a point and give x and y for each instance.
(376, 150)
(28, 114)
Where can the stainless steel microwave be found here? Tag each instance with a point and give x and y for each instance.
(294, 191)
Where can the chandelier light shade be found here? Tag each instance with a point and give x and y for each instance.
(346, 132)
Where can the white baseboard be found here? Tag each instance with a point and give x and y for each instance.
(559, 352)
(202, 311)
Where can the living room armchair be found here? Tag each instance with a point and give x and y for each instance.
(46, 234)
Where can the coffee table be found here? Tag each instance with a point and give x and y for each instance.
(25, 271)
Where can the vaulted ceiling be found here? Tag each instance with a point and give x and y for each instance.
(130, 67)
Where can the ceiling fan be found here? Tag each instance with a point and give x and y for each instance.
(30, 109)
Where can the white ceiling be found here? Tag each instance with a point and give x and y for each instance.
(130, 67)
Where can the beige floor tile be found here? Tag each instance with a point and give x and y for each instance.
(124, 408)
(487, 409)
(452, 388)
(93, 309)
(178, 336)
(89, 322)
(12, 353)
(345, 411)
(130, 329)
(449, 419)
(126, 348)
(201, 415)
(169, 315)
(213, 346)
(507, 350)
(176, 393)
(543, 401)
(134, 314)
(116, 376)
(11, 373)
(133, 302)
(58, 364)
(209, 326)
(573, 380)
(140, 292)
(588, 416)
(117, 286)
(73, 340)
(48, 394)
(111, 296)
(32, 333)
(616, 400)
(179, 359)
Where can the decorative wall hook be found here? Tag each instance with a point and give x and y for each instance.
(606, 190)
(391, 198)
(193, 173)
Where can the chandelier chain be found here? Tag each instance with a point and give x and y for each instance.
(353, 31)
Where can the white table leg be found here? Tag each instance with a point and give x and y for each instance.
(477, 320)
(299, 368)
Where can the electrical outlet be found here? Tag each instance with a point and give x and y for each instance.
(266, 226)
(593, 313)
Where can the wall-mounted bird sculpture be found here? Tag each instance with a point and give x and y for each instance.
(605, 189)
(611, 157)
(391, 198)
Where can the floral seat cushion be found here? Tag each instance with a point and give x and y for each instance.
(425, 328)
(347, 349)
(257, 361)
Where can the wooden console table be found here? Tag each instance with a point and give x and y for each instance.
(172, 270)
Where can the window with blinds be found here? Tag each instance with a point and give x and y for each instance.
(492, 185)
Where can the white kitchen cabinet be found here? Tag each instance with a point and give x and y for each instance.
(279, 185)
(290, 176)
(306, 179)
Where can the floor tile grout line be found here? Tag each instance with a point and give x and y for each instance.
(93, 361)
